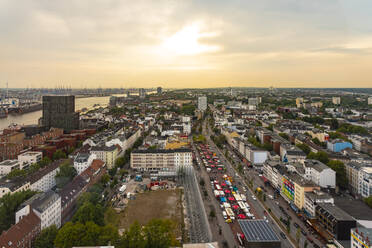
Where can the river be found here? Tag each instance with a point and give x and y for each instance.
(33, 117)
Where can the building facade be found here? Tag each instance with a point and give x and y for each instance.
(160, 160)
(59, 112)
(202, 103)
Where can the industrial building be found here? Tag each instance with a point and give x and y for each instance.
(259, 234)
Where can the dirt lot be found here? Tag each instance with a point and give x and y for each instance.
(153, 204)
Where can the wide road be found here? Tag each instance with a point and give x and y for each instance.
(286, 243)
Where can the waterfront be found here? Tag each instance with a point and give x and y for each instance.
(33, 117)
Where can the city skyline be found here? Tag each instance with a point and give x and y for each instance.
(186, 44)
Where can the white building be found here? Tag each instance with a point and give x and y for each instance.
(202, 103)
(83, 161)
(365, 182)
(29, 158)
(313, 198)
(255, 155)
(45, 178)
(319, 173)
(47, 206)
(7, 166)
(369, 100)
(160, 160)
(336, 100)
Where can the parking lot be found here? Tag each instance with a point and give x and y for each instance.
(232, 202)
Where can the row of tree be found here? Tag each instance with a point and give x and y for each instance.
(9, 204)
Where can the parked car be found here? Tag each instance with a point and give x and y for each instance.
(283, 235)
(296, 225)
(303, 232)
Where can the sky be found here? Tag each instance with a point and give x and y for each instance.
(185, 43)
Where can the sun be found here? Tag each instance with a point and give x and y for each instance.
(186, 42)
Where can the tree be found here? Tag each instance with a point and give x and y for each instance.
(16, 173)
(133, 237)
(284, 135)
(66, 173)
(339, 168)
(70, 235)
(316, 141)
(334, 124)
(120, 162)
(305, 148)
(105, 178)
(321, 156)
(9, 203)
(88, 234)
(44, 161)
(59, 154)
(89, 213)
(212, 214)
(159, 233)
(368, 201)
(46, 238)
(298, 235)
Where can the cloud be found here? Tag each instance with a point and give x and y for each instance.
(122, 40)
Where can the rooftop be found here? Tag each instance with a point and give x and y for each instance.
(9, 162)
(162, 151)
(258, 231)
(335, 211)
(41, 201)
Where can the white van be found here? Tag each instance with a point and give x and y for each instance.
(224, 215)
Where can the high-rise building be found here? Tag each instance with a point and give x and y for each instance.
(336, 100)
(142, 93)
(369, 100)
(159, 90)
(59, 112)
(202, 103)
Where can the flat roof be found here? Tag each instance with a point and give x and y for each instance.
(335, 211)
(258, 231)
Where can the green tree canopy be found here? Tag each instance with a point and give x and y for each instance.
(46, 238)
(9, 204)
(321, 156)
(59, 154)
(66, 173)
(339, 168)
(89, 212)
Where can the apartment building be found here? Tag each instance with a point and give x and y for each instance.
(22, 234)
(335, 220)
(319, 173)
(312, 199)
(107, 154)
(7, 166)
(82, 161)
(160, 160)
(13, 185)
(365, 182)
(29, 158)
(44, 179)
(47, 206)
